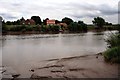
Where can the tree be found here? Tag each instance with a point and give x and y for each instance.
(99, 22)
(57, 21)
(4, 28)
(83, 25)
(37, 19)
(45, 21)
(80, 22)
(73, 27)
(67, 20)
(118, 27)
(22, 19)
(9, 23)
(18, 22)
(107, 23)
(77, 26)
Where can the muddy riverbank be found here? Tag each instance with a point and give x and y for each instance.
(88, 66)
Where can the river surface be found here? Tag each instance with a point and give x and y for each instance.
(20, 50)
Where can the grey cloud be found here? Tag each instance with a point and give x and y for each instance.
(7, 16)
(107, 10)
(82, 16)
(103, 9)
(74, 9)
(16, 4)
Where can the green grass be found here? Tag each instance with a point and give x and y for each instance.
(113, 40)
(113, 52)
(90, 27)
(112, 55)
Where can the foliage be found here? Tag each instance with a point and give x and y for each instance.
(18, 28)
(67, 20)
(112, 55)
(44, 21)
(80, 26)
(113, 40)
(99, 22)
(118, 27)
(83, 25)
(29, 28)
(73, 27)
(43, 28)
(50, 28)
(107, 23)
(77, 26)
(22, 19)
(57, 21)
(8, 23)
(37, 19)
(4, 28)
(13, 22)
(55, 28)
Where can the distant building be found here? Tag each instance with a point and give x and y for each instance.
(50, 22)
(63, 24)
(22, 22)
(30, 22)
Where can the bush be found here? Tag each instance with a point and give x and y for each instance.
(43, 28)
(55, 28)
(113, 40)
(118, 27)
(35, 28)
(77, 27)
(29, 28)
(112, 54)
(84, 27)
(4, 28)
(18, 28)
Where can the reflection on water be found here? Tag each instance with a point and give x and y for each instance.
(17, 51)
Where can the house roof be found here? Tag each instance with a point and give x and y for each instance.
(50, 21)
(30, 20)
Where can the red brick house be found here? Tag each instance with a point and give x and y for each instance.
(30, 22)
(22, 22)
(50, 22)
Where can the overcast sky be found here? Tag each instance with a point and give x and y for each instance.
(84, 10)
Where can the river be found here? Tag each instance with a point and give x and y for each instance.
(19, 51)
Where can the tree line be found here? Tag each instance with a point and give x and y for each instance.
(42, 26)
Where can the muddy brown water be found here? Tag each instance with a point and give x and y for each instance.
(20, 52)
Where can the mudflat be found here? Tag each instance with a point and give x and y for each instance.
(88, 66)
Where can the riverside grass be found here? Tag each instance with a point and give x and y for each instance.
(112, 55)
(113, 52)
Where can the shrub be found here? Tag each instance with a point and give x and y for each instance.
(118, 27)
(112, 54)
(77, 26)
(4, 28)
(55, 28)
(43, 28)
(84, 27)
(29, 28)
(35, 28)
(113, 40)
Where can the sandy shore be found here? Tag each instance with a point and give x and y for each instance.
(89, 66)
